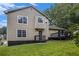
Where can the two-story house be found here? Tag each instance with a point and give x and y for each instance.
(26, 25)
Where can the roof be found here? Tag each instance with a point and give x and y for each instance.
(54, 27)
(13, 10)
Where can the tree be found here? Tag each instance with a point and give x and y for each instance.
(63, 15)
(0, 31)
(3, 30)
(66, 16)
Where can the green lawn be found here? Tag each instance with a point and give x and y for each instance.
(50, 48)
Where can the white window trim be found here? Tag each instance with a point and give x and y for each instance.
(22, 16)
(17, 33)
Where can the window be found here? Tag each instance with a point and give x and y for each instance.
(24, 33)
(22, 19)
(21, 33)
(40, 20)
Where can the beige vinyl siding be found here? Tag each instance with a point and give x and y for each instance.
(13, 26)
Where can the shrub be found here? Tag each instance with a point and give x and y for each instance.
(76, 38)
(0, 39)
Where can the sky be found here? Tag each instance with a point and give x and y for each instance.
(6, 6)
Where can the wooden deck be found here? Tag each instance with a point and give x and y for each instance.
(59, 36)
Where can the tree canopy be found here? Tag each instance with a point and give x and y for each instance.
(63, 15)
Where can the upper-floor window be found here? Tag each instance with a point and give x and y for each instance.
(21, 33)
(40, 20)
(22, 19)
